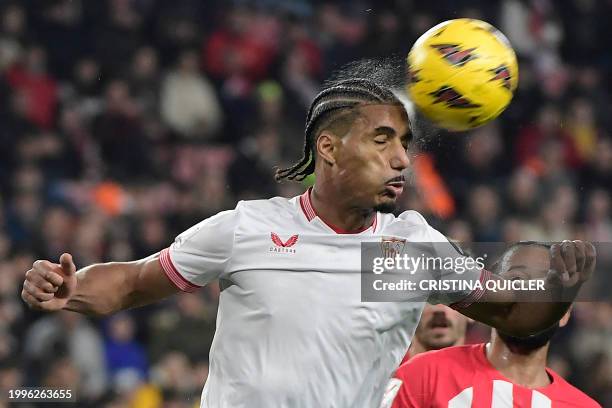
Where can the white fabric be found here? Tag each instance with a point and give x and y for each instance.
(292, 330)
(189, 105)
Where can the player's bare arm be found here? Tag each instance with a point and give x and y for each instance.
(97, 290)
(512, 312)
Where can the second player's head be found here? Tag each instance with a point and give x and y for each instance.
(357, 135)
(527, 260)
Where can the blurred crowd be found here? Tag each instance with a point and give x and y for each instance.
(123, 122)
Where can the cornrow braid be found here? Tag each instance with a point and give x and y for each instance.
(336, 97)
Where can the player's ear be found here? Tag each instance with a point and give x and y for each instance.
(326, 146)
(566, 317)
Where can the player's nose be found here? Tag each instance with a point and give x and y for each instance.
(400, 159)
(439, 308)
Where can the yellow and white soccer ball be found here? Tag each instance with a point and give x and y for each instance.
(462, 74)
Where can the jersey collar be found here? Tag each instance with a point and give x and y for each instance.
(310, 213)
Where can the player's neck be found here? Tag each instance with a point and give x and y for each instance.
(527, 370)
(416, 348)
(339, 213)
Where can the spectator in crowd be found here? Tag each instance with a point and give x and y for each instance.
(124, 355)
(81, 347)
(188, 102)
(439, 327)
(29, 78)
(240, 50)
(173, 328)
(13, 29)
(144, 74)
(120, 134)
(548, 128)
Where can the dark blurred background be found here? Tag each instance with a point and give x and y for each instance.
(123, 122)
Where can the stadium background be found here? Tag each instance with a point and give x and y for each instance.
(124, 122)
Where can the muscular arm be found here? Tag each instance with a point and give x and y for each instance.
(104, 289)
(99, 289)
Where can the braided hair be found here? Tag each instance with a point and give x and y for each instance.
(365, 81)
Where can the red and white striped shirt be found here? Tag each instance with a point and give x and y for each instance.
(463, 377)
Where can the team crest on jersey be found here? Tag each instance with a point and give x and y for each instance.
(392, 246)
(454, 55)
(281, 246)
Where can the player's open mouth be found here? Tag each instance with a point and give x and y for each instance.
(395, 186)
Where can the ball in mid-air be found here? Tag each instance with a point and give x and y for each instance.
(462, 73)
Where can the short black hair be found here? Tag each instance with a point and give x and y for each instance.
(519, 244)
(359, 82)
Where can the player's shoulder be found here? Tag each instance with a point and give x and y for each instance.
(278, 206)
(248, 215)
(461, 356)
(571, 394)
(454, 353)
(406, 222)
(275, 208)
(409, 217)
(277, 213)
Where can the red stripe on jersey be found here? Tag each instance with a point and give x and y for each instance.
(338, 230)
(173, 274)
(522, 397)
(476, 294)
(309, 211)
(307, 205)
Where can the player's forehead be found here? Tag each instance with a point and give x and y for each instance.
(526, 262)
(381, 115)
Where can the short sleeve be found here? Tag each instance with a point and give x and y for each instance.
(201, 254)
(461, 272)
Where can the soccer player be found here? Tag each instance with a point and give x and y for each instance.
(440, 327)
(292, 330)
(507, 372)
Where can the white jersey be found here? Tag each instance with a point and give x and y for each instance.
(292, 330)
